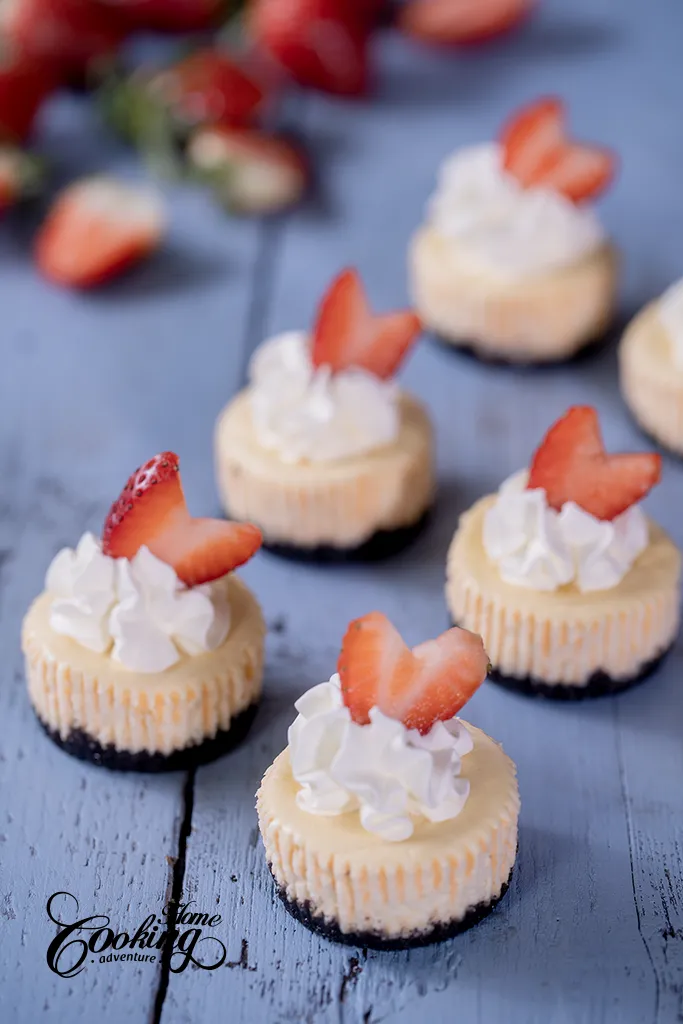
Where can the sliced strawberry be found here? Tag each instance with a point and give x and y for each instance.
(533, 138)
(429, 684)
(578, 172)
(347, 334)
(321, 44)
(98, 228)
(151, 511)
(250, 171)
(537, 152)
(571, 465)
(461, 22)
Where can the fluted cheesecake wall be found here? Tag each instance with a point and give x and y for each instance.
(403, 888)
(564, 637)
(540, 317)
(342, 503)
(651, 383)
(73, 689)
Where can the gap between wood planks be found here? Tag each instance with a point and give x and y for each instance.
(269, 239)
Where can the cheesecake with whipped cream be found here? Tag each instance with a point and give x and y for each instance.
(388, 821)
(145, 651)
(651, 368)
(512, 263)
(323, 450)
(574, 589)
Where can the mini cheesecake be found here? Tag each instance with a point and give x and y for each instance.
(651, 368)
(388, 822)
(511, 264)
(145, 651)
(575, 591)
(323, 451)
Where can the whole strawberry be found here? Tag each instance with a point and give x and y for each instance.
(25, 84)
(321, 44)
(173, 16)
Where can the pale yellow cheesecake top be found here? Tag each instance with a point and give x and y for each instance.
(246, 629)
(236, 438)
(646, 343)
(655, 570)
(493, 796)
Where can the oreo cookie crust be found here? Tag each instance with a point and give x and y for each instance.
(599, 685)
(383, 544)
(81, 745)
(375, 940)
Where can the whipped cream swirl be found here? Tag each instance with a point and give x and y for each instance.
(670, 309)
(306, 413)
(535, 546)
(138, 609)
(504, 227)
(390, 774)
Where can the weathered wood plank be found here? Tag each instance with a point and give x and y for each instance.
(92, 386)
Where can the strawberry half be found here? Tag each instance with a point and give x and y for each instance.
(98, 228)
(571, 465)
(429, 684)
(538, 153)
(251, 172)
(347, 334)
(151, 511)
(321, 44)
(461, 22)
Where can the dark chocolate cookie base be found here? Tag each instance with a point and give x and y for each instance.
(599, 684)
(587, 351)
(383, 544)
(83, 746)
(375, 940)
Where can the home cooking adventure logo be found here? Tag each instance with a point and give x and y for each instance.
(80, 941)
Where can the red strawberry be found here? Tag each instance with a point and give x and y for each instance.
(321, 44)
(347, 334)
(98, 228)
(168, 15)
(67, 35)
(151, 511)
(532, 137)
(20, 176)
(24, 85)
(420, 687)
(537, 152)
(251, 172)
(208, 88)
(571, 465)
(461, 22)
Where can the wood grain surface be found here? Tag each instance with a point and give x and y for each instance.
(592, 929)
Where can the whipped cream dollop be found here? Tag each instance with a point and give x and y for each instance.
(670, 309)
(390, 774)
(502, 226)
(138, 609)
(535, 546)
(308, 413)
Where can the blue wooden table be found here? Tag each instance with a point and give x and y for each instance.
(592, 929)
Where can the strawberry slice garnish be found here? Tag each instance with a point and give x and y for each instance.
(571, 465)
(538, 153)
(321, 44)
(98, 228)
(461, 22)
(251, 172)
(429, 684)
(151, 511)
(347, 334)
